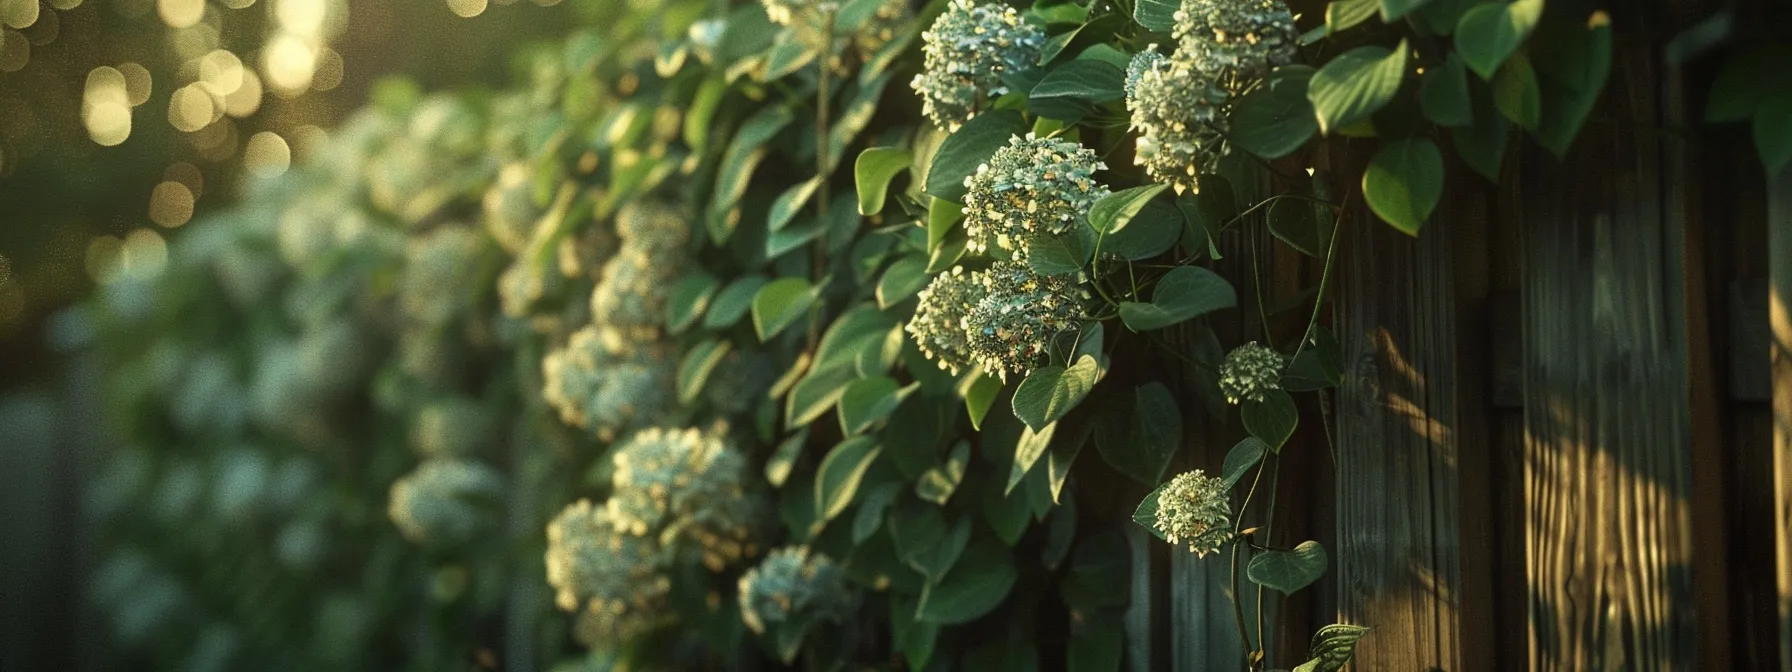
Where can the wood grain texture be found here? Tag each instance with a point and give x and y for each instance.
(1398, 512)
(1608, 469)
(1779, 231)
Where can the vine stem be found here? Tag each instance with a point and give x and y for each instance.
(1244, 632)
(1325, 276)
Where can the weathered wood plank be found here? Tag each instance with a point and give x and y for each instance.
(1779, 224)
(1398, 512)
(1607, 446)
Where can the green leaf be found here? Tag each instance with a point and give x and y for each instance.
(980, 394)
(837, 480)
(860, 328)
(1318, 366)
(872, 173)
(781, 303)
(1749, 80)
(941, 215)
(1288, 571)
(786, 56)
(1062, 455)
(1440, 16)
(815, 394)
(1272, 420)
(902, 280)
(1355, 85)
(1138, 434)
(1049, 393)
(1027, 451)
(1482, 145)
(1060, 530)
(1516, 93)
(1146, 513)
(1393, 10)
(1443, 94)
(734, 301)
(694, 370)
(777, 468)
(1342, 15)
(1487, 34)
(939, 482)
(689, 298)
(1403, 183)
(1244, 455)
(1275, 119)
(1573, 68)
(968, 147)
(922, 541)
(1332, 648)
(914, 639)
(1773, 133)
(1008, 516)
(1074, 90)
(1184, 293)
(867, 401)
(871, 510)
(790, 203)
(976, 585)
(744, 154)
(1115, 210)
(1156, 15)
(1068, 252)
(852, 119)
(1295, 222)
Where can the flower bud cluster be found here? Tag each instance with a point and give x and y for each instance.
(1032, 187)
(446, 501)
(611, 578)
(1193, 510)
(966, 52)
(1251, 371)
(1177, 112)
(793, 586)
(1236, 39)
(687, 485)
(1000, 320)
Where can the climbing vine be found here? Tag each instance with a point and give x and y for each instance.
(782, 330)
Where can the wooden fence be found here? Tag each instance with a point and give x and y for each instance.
(1564, 439)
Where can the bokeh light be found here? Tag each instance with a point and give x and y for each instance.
(171, 204)
(289, 64)
(187, 174)
(467, 8)
(106, 106)
(137, 83)
(15, 50)
(191, 108)
(180, 13)
(19, 14)
(267, 155)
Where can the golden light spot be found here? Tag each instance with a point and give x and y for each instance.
(170, 204)
(303, 17)
(246, 99)
(65, 5)
(307, 139)
(194, 42)
(467, 8)
(221, 72)
(191, 108)
(329, 71)
(180, 13)
(289, 64)
(137, 83)
(144, 253)
(218, 142)
(187, 174)
(18, 14)
(238, 4)
(105, 107)
(267, 155)
(15, 50)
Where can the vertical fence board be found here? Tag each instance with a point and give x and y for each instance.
(1398, 543)
(1779, 223)
(1607, 447)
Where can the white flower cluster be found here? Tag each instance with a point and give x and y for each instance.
(1236, 39)
(1176, 101)
(1032, 187)
(439, 282)
(687, 485)
(796, 588)
(966, 51)
(445, 501)
(1250, 371)
(1176, 110)
(1193, 510)
(1000, 320)
(611, 578)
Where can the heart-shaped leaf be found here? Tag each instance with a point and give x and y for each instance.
(1355, 85)
(1403, 183)
(1288, 571)
(1050, 392)
(1487, 34)
(1184, 293)
(1272, 420)
(872, 173)
(780, 303)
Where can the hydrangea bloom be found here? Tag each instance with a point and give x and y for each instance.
(445, 501)
(966, 52)
(1136, 68)
(1236, 39)
(632, 294)
(1034, 186)
(437, 284)
(1176, 112)
(607, 383)
(611, 577)
(686, 484)
(794, 588)
(1250, 371)
(1020, 312)
(938, 324)
(1193, 510)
